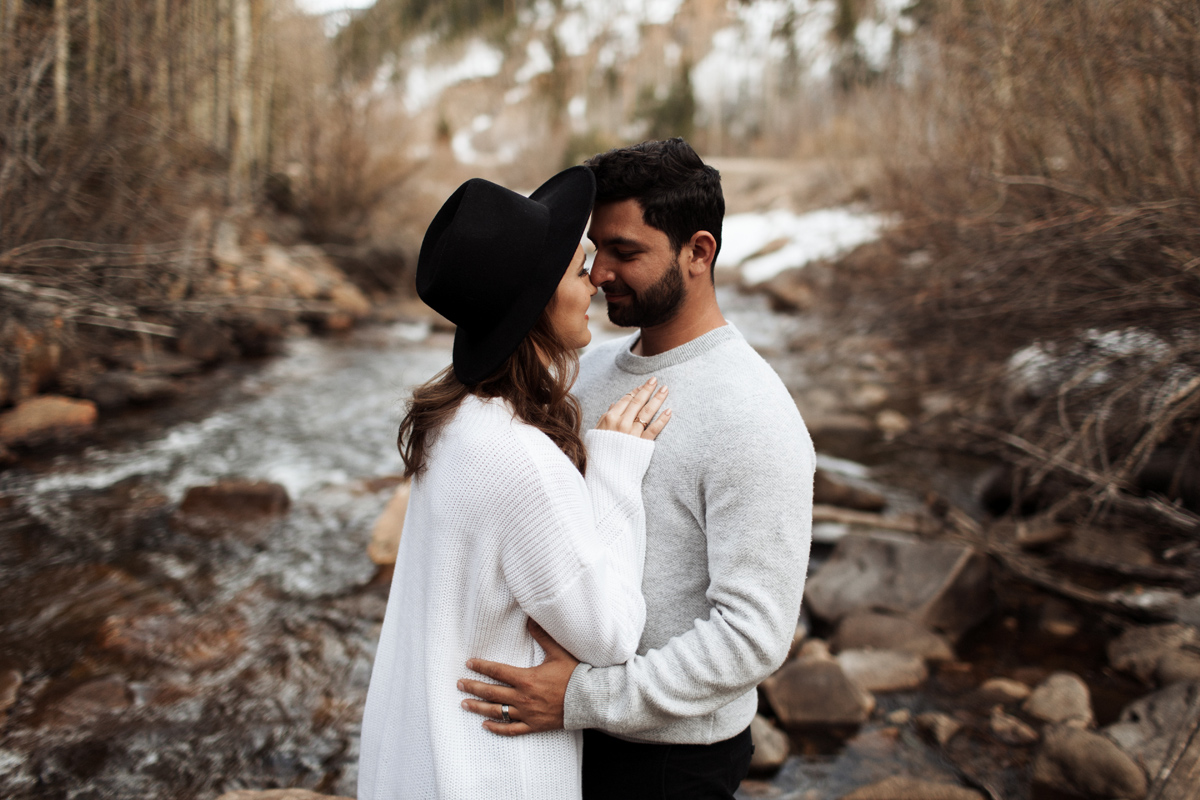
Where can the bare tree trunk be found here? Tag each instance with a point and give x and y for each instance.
(62, 50)
(162, 73)
(92, 63)
(267, 65)
(243, 102)
(222, 74)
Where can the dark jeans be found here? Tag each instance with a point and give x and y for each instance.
(614, 769)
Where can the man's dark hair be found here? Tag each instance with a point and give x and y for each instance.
(679, 194)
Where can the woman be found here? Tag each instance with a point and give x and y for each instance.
(502, 526)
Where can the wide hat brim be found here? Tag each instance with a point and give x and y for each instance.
(481, 349)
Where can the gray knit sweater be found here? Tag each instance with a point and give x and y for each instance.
(728, 500)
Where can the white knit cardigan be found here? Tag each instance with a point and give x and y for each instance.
(500, 527)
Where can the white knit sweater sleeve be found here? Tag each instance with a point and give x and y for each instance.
(573, 560)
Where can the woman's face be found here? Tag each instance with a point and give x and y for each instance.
(569, 306)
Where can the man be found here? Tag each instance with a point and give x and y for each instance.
(728, 501)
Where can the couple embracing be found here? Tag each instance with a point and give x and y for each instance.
(587, 614)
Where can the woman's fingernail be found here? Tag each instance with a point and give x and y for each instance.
(461, 688)
(652, 381)
(471, 663)
(465, 706)
(667, 412)
(662, 390)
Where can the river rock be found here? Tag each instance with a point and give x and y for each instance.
(385, 536)
(10, 685)
(279, 794)
(941, 727)
(830, 491)
(1000, 690)
(96, 698)
(770, 746)
(1061, 697)
(887, 632)
(192, 645)
(903, 787)
(236, 499)
(1142, 650)
(1009, 729)
(206, 342)
(1147, 727)
(117, 388)
(1178, 665)
(892, 423)
(843, 435)
(883, 670)
(45, 419)
(812, 691)
(1059, 619)
(941, 585)
(1087, 764)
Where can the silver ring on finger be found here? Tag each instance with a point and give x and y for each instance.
(504, 713)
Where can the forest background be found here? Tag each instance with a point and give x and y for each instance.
(199, 175)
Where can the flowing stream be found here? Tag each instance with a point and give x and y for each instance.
(149, 661)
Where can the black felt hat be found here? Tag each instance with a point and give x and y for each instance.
(492, 259)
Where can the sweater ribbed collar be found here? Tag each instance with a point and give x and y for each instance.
(642, 365)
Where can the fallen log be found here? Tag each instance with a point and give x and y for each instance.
(906, 523)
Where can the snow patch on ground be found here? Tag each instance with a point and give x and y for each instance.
(792, 240)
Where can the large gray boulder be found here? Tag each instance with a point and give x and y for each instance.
(1147, 726)
(940, 585)
(1086, 764)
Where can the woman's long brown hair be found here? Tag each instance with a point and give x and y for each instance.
(539, 393)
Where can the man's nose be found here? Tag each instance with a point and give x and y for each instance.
(600, 274)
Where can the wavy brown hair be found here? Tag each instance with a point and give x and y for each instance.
(539, 392)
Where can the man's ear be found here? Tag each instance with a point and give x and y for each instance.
(699, 252)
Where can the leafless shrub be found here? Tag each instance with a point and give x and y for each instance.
(1048, 172)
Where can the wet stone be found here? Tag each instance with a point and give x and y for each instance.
(47, 418)
(941, 727)
(882, 670)
(941, 585)
(385, 536)
(770, 746)
(903, 787)
(1061, 697)
(887, 632)
(1085, 763)
(1009, 729)
(278, 794)
(812, 691)
(1141, 650)
(1148, 726)
(190, 644)
(1000, 690)
(10, 685)
(236, 499)
(86, 703)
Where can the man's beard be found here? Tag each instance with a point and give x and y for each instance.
(653, 306)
